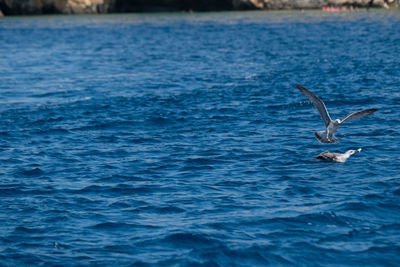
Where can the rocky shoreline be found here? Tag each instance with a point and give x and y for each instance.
(27, 7)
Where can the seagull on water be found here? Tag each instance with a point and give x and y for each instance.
(337, 157)
(328, 136)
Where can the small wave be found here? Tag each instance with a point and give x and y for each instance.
(141, 140)
(119, 226)
(51, 131)
(297, 189)
(199, 161)
(159, 121)
(35, 172)
(119, 204)
(391, 227)
(120, 249)
(354, 206)
(120, 189)
(323, 218)
(189, 239)
(112, 226)
(4, 134)
(397, 192)
(385, 255)
(232, 183)
(47, 120)
(119, 178)
(196, 168)
(160, 210)
(23, 229)
(11, 191)
(56, 219)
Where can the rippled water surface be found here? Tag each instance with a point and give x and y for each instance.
(180, 140)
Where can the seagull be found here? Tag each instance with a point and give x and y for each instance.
(337, 157)
(328, 136)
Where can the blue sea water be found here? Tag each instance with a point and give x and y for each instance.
(180, 140)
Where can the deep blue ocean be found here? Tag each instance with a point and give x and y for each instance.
(180, 139)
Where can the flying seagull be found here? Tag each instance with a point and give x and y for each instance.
(328, 136)
(337, 157)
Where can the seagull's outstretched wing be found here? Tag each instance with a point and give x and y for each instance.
(359, 114)
(318, 104)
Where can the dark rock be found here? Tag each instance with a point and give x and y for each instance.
(317, 4)
(21, 7)
(172, 5)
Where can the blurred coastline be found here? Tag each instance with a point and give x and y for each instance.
(28, 7)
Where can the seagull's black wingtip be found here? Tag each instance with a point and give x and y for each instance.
(301, 88)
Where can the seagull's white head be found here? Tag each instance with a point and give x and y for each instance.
(351, 152)
(338, 121)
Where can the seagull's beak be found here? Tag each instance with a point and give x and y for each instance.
(359, 150)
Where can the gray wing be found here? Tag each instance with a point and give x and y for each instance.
(359, 114)
(326, 155)
(318, 104)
